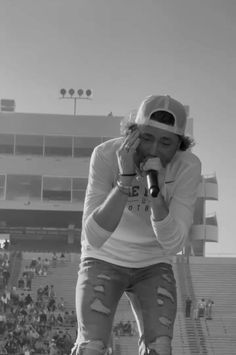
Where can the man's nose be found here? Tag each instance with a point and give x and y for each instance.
(154, 149)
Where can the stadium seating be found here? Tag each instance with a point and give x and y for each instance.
(201, 278)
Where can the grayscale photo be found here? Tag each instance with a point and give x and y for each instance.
(117, 177)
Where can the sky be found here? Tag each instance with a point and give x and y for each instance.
(125, 50)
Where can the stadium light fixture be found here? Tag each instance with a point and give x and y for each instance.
(81, 95)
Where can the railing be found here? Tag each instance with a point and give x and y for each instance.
(194, 336)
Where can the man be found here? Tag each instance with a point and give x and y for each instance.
(129, 237)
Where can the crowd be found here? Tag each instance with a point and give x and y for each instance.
(35, 326)
(202, 309)
(4, 269)
(124, 329)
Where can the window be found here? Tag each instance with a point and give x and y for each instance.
(58, 146)
(23, 187)
(56, 189)
(6, 143)
(26, 144)
(2, 186)
(83, 146)
(79, 186)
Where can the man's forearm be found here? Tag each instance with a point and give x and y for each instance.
(159, 208)
(109, 214)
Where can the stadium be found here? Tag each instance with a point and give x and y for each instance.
(43, 178)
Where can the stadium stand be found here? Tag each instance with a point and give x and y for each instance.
(213, 278)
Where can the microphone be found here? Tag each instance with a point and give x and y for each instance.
(152, 182)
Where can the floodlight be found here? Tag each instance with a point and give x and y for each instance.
(80, 92)
(63, 92)
(88, 92)
(71, 92)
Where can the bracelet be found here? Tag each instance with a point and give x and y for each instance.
(125, 189)
(134, 174)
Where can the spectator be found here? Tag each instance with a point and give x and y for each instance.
(21, 283)
(33, 265)
(8, 294)
(61, 304)
(32, 335)
(14, 296)
(6, 276)
(28, 299)
(21, 299)
(1, 280)
(40, 293)
(40, 346)
(46, 264)
(59, 319)
(28, 283)
(52, 321)
(6, 244)
(26, 270)
(10, 321)
(27, 349)
(4, 302)
(209, 305)
(43, 317)
(51, 305)
(5, 259)
(188, 304)
(2, 324)
(32, 271)
(128, 328)
(67, 318)
(201, 307)
(54, 259)
(3, 351)
(62, 258)
(73, 318)
(11, 345)
(67, 342)
(38, 267)
(53, 350)
(51, 292)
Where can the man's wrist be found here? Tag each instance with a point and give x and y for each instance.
(126, 179)
(159, 208)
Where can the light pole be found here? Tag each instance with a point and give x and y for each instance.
(82, 95)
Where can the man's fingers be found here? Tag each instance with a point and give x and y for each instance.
(131, 141)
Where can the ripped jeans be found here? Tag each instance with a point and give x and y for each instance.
(152, 294)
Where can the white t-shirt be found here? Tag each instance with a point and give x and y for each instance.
(139, 241)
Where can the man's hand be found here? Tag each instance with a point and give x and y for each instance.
(152, 164)
(126, 152)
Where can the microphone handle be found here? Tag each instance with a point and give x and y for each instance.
(152, 181)
(154, 191)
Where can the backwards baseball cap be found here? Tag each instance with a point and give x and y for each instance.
(155, 103)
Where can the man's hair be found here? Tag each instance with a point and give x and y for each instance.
(127, 125)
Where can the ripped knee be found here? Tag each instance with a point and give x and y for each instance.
(161, 346)
(91, 347)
